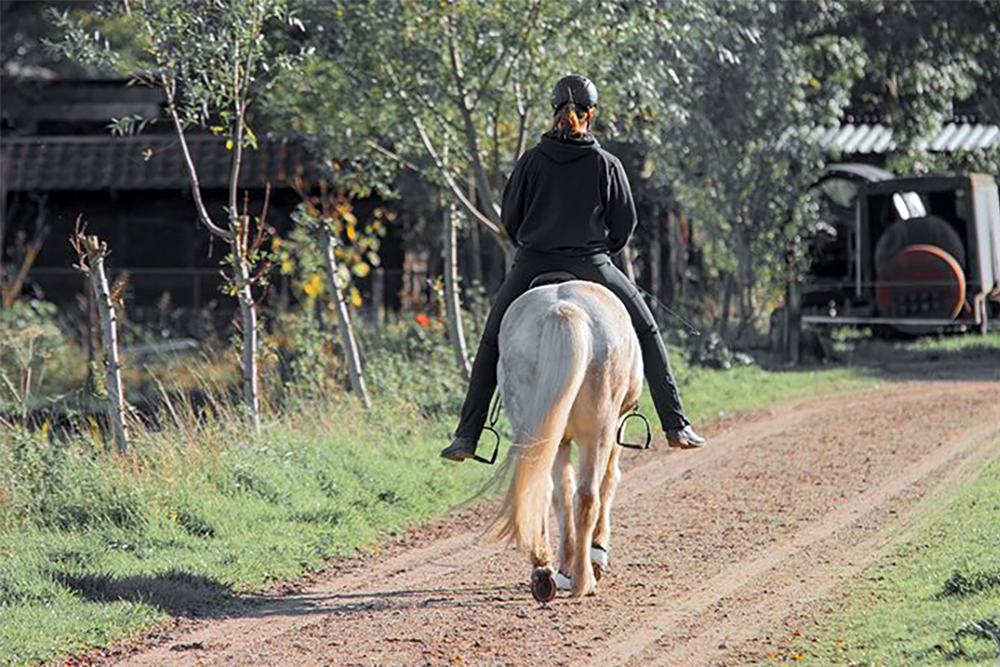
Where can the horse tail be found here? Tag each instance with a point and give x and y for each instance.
(563, 355)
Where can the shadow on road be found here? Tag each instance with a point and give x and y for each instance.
(346, 604)
(185, 595)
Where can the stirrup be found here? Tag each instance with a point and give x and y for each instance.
(494, 417)
(621, 430)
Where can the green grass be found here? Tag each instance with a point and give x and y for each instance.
(709, 393)
(955, 343)
(94, 548)
(915, 605)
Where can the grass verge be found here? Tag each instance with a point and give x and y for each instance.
(93, 547)
(932, 600)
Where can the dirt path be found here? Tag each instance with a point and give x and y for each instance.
(711, 551)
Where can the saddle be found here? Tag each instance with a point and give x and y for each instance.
(551, 278)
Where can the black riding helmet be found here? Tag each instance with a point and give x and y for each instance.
(574, 88)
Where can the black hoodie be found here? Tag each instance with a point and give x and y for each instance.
(569, 196)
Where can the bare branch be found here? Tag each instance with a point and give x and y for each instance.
(482, 182)
(395, 156)
(239, 107)
(170, 88)
(466, 202)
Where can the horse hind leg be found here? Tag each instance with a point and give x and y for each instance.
(543, 581)
(564, 483)
(602, 533)
(586, 508)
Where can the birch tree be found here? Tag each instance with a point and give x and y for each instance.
(208, 57)
(91, 253)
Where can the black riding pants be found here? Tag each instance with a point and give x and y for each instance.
(594, 268)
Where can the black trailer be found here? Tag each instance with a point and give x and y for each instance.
(921, 255)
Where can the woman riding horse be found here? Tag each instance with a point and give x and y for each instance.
(568, 206)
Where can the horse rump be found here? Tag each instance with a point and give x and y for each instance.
(559, 363)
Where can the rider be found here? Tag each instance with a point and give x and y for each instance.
(568, 206)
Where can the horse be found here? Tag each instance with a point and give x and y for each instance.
(570, 370)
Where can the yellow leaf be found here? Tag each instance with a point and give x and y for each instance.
(314, 286)
(345, 210)
(229, 144)
(351, 232)
(355, 297)
(361, 270)
(95, 430)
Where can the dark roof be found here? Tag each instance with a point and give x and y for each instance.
(932, 183)
(121, 163)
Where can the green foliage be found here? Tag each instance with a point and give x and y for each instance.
(461, 87)
(37, 358)
(743, 158)
(921, 57)
(206, 55)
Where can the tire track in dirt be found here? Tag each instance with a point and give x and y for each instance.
(808, 565)
(708, 549)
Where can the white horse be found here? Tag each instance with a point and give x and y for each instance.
(570, 369)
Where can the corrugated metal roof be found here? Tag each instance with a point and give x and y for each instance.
(867, 138)
(100, 163)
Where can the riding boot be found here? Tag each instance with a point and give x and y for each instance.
(482, 385)
(662, 387)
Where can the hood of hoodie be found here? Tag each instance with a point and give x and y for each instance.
(567, 149)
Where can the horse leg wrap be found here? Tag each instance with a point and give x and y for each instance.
(599, 556)
(563, 582)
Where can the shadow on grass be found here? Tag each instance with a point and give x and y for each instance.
(895, 360)
(961, 585)
(179, 594)
(885, 360)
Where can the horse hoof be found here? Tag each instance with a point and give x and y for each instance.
(543, 584)
(598, 560)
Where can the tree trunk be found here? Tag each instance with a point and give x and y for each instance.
(378, 297)
(678, 255)
(95, 253)
(656, 265)
(248, 316)
(628, 262)
(793, 323)
(744, 278)
(452, 302)
(477, 250)
(727, 300)
(344, 320)
(476, 256)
